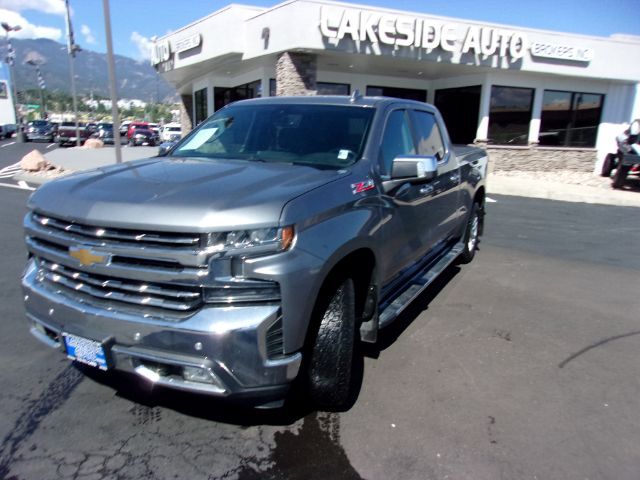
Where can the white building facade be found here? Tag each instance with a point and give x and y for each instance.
(536, 99)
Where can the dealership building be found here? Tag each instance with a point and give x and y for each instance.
(538, 100)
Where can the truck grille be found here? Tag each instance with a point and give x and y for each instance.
(120, 235)
(73, 282)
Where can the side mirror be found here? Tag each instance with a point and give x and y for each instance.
(414, 167)
(165, 148)
(411, 169)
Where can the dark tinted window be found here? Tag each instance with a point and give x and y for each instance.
(397, 139)
(428, 135)
(460, 108)
(510, 115)
(570, 119)
(326, 88)
(223, 96)
(406, 93)
(200, 104)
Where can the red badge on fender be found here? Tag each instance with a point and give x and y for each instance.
(362, 186)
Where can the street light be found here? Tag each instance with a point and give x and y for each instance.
(14, 91)
(41, 86)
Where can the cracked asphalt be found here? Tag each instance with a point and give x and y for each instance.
(522, 364)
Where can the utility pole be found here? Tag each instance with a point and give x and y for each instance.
(41, 86)
(112, 82)
(14, 89)
(72, 49)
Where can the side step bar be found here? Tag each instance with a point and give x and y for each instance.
(417, 286)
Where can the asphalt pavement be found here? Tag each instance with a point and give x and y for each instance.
(522, 364)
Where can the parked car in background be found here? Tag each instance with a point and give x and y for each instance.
(124, 127)
(155, 128)
(7, 130)
(135, 125)
(67, 133)
(171, 132)
(104, 132)
(143, 136)
(39, 130)
(92, 127)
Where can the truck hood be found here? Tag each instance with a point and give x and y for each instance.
(186, 194)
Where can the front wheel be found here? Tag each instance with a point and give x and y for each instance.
(331, 360)
(471, 235)
(620, 176)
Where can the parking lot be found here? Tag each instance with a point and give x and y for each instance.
(522, 364)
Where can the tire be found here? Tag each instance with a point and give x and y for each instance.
(620, 176)
(608, 165)
(331, 358)
(471, 235)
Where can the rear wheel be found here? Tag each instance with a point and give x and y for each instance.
(608, 165)
(329, 370)
(471, 235)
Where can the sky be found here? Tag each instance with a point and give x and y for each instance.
(135, 22)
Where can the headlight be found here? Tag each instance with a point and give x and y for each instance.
(262, 239)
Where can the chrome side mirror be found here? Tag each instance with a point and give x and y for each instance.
(414, 167)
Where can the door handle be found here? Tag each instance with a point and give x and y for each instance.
(426, 190)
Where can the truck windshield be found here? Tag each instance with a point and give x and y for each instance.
(325, 136)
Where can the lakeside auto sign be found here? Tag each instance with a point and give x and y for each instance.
(404, 31)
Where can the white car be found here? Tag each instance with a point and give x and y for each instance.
(171, 132)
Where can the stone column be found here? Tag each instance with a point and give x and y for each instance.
(186, 113)
(296, 74)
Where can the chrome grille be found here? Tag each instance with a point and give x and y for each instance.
(121, 235)
(146, 294)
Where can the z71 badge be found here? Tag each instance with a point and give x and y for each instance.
(362, 186)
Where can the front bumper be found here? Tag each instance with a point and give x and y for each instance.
(40, 136)
(226, 345)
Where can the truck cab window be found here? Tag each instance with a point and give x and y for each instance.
(397, 139)
(429, 136)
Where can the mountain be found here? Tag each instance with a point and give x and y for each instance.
(135, 79)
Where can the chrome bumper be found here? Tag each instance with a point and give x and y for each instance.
(226, 345)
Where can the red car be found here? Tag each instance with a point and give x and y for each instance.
(134, 125)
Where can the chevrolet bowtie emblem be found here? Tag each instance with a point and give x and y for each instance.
(86, 257)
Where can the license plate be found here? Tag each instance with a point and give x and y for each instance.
(86, 351)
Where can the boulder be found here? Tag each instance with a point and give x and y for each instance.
(93, 143)
(34, 161)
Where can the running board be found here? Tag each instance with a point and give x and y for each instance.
(417, 286)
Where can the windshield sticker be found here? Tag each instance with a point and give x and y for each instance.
(199, 138)
(343, 154)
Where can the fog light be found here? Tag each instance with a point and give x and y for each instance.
(197, 374)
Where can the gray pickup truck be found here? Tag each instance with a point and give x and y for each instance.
(259, 251)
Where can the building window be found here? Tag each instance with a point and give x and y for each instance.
(272, 87)
(570, 119)
(510, 115)
(460, 108)
(328, 88)
(223, 96)
(406, 93)
(3, 90)
(200, 105)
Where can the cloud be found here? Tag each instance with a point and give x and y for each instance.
(88, 36)
(55, 7)
(143, 44)
(28, 29)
